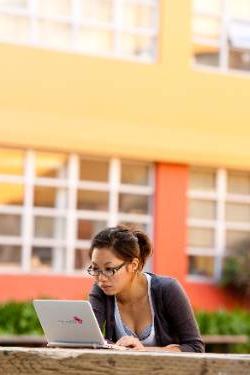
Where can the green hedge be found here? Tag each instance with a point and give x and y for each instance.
(235, 322)
(19, 318)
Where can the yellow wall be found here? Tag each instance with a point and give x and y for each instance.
(166, 111)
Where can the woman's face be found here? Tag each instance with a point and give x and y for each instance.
(104, 260)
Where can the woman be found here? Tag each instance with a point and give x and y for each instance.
(135, 309)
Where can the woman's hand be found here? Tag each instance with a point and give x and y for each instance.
(173, 348)
(130, 342)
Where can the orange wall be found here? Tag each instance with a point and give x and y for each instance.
(52, 99)
(28, 287)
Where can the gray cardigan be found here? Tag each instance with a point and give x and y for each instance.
(174, 319)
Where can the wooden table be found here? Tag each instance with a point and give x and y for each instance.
(19, 360)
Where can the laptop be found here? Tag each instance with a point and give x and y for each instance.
(70, 324)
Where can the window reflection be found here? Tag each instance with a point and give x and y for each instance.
(51, 165)
(14, 28)
(134, 173)
(16, 4)
(10, 256)
(81, 259)
(50, 8)
(97, 10)
(50, 197)
(95, 41)
(92, 200)
(94, 170)
(137, 15)
(201, 237)
(86, 229)
(132, 203)
(201, 266)
(11, 194)
(49, 227)
(11, 161)
(41, 258)
(10, 225)
(54, 34)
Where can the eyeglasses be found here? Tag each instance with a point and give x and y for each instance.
(108, 272)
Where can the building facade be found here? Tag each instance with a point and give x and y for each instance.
(122, 111)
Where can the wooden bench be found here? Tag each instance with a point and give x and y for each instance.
(17, 361)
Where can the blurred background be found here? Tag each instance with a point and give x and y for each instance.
(134, 112)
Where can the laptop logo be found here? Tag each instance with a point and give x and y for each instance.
(77, 320)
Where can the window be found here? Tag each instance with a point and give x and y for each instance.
(52, 204)
(221, 34)
(219, 217)
(114, 28)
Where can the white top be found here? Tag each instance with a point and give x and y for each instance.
(147, 336)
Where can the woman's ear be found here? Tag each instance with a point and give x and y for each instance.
(135, 265)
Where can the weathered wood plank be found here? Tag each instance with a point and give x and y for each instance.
(14, 360)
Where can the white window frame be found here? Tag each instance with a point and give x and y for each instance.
(222, 44)
(75, 23)
(71, 214)
(221, 197)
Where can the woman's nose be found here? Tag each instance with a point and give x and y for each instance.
(102, 276)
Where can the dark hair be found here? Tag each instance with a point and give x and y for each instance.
(126, 243)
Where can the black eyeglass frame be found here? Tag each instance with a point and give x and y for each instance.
(107, 273)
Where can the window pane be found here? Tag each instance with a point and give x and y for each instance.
(138, 15)
(135, 173)
(199, 209)
(54, 34)
(238, 183)
(239, 9)
(14, 28)
(97, 10)
(11, 162)
(10, 225)
(137, 45)
(41, 259)
(51, 165)
(16, 4)
(81, 259)
(201, 237)
(210, 6)
(201, 266)
(95, 41)
(50, 8)
(49, 227)
(50, 197)
(88, 228)
(92, 200)
(239, 59)
(10, 256)
(94, 170)
(202, 179)
(238, 212)
(206, 55)
(132, 203)
(11, 194)
(234, 237)
(206, 27)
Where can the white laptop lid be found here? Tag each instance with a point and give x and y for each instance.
(69, 322)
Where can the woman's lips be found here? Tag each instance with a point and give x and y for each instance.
(105, 287)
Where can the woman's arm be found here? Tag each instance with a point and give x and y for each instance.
(98, 305)
(181, 316)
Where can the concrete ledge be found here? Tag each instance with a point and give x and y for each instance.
(16, 360)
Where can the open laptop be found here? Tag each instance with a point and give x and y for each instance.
(70, 324)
